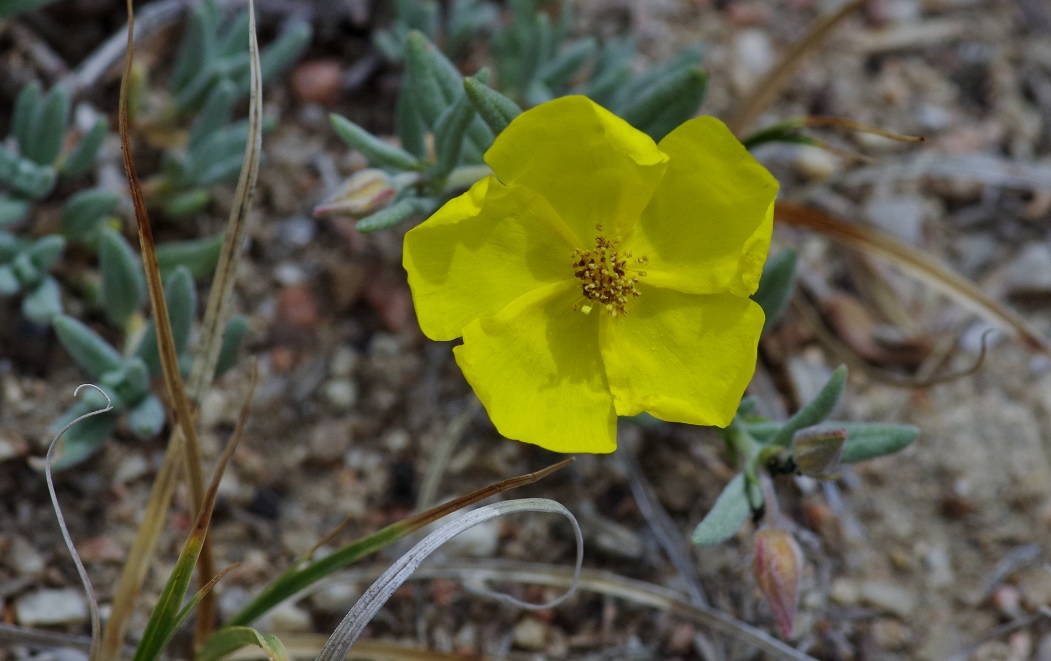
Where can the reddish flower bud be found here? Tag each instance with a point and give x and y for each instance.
(777, 566)
(817, 452)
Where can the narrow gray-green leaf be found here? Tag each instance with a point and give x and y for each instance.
(730, 510)
(495, 109)
(50, 127)
(869, 440)
(814, 411)
(83, 155)
(27, 109)
(378, 152)
(123, 285)
(42, 303)
(395, 214)
(94, 355)
(198, 255)
(84, 212)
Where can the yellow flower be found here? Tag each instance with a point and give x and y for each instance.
(598, 274)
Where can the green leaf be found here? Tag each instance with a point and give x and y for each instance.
(776, 285)
(24, 177)
(94, 355)
(167, 616)
(198, 255)
(123, 283)
(233, 336)
(146, 419)
(451, 131)
(730, 510)
(46, 251)
(869, 440)
(83, 155)
(231, 639)
(667, 103)
(186, 203)
(43, 302)
(181, 296)
(556, 72)
(396, 213)
(84, 213)
(282, 53)
(408, 124)
(378, 152)
(815, 411)
(493, 107)
(215, 114)
(23, 124)
(50, 127)
(12, 210)
(9, 284)
(425, 72)
(197, 48)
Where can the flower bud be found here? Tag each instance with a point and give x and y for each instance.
(777, 565)
(362, 193)
(817, 453)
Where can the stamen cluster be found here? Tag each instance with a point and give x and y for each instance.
(605, 276)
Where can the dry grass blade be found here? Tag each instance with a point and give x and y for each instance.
(302, 645)
(767, 89)
(600, 582)
(93, 604)
(217, 310)
(183, 440)
(916, 264)
(380, 591)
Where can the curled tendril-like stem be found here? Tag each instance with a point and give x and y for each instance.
(92, 602)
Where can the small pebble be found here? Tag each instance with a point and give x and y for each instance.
(287, 617)
(753, 56)
(890, 634)
(24, 558)
(530, 634)
(51, 607)
(329, 440)
(343, 362)
(335, 598)
(889, 597)
(817, 164)
(318, 81)
(1008, 601)
(130, 468)
(341, 394)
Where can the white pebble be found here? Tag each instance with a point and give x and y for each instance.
(51, 607)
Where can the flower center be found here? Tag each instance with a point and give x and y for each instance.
(606, 278)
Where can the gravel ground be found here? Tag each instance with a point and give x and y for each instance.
(935, 553)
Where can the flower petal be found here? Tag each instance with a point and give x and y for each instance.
(681, 357)
(481, 251)
(536, 368)
(707, 228)
(592, 166)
